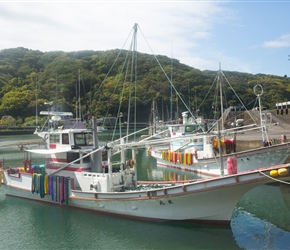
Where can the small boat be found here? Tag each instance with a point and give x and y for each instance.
(200, 154)
(195, 146)
(75, 176)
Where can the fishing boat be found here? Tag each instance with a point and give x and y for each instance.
(197, 146)
(199, 153)
(85, 184)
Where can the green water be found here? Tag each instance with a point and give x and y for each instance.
(30, 225)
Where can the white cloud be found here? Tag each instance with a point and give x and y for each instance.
(104, 25)
(281, 42)
(181, 29)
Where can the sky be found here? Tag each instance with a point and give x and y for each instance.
(244, 36)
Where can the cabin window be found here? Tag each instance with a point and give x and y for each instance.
(193, 129)
(188, 129)
(65, 139)
(74, 156)
(54, 138)
(82, 139)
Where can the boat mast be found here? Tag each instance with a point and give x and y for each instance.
(153, 113)
(258, 93)
(222, 121)
(76, 107)
(56, 97)
(79, 94)
(221, 97)
(171, 86)
(220, 151)
(134, 47)
(96, 158)
(36, 108)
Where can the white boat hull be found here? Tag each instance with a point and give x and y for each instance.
(208, 200)
(246, 160)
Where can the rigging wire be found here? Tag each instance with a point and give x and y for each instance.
(237, 96)
(177, 93)
(121, 50)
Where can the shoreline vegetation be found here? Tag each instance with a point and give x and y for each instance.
(16, 131)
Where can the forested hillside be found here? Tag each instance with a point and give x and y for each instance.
(29, 78)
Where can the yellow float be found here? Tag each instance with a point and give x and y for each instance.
(283, 171)
(274, 173)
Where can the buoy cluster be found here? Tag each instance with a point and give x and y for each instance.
(280, 172)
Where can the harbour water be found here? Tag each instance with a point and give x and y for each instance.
(260, 220)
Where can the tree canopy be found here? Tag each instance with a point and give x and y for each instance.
(96, 79)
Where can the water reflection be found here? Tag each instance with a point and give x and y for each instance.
(251, 232)
(267, 202)
(149, 171)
